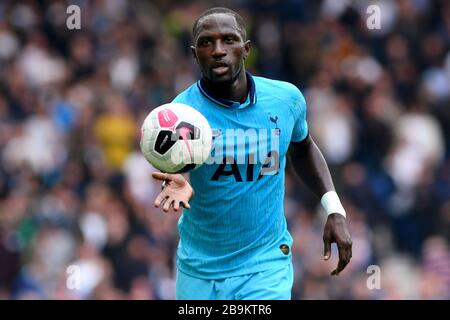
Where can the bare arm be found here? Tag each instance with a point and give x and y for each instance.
(309, 163)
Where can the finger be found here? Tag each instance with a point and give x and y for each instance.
(159, 199)
(167, 204)
(341, 265)
(159, 176)
(176, 205)
(343, 260)
(163, 202)
(336, 271)
(349, 254)
(345, 251)
(327, 249)
(185, 204)
(162, 176)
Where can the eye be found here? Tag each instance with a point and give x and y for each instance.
(204, 42)
(229, 40)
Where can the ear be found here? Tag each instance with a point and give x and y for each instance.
(247, 48)
(193, 53)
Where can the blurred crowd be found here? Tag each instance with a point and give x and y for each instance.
(77, 195)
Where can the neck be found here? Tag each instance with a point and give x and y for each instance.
(236, 90)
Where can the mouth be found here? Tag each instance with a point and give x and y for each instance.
(220, 69)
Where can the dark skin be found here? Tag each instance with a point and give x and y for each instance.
(220, 50)
(308, 162)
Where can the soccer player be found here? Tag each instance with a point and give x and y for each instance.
(234, 243)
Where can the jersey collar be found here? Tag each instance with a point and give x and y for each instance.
(251, 97)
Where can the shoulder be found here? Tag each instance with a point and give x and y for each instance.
(277, 88)
(281, 90)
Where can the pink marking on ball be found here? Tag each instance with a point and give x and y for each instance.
(167, 118)
(183, 133)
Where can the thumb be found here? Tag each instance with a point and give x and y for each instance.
(159, 176)
(327, 249)
(164, 176)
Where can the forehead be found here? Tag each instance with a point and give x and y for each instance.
(217, 23)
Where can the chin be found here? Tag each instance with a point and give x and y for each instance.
(226, 78)
(222, 81)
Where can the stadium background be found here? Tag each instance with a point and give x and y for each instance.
(75, 190)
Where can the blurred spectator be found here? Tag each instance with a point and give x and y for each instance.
(116, 131)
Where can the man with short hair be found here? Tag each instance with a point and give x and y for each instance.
(234, 242)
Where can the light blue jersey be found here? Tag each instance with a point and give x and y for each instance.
(236, 223)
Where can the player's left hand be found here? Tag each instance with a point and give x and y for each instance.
(336, 231)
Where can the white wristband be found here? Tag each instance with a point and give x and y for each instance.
(331, 203)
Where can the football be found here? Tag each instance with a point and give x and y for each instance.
(175, 138)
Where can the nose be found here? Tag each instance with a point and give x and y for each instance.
(218, 50)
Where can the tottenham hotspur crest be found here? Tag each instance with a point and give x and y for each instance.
(274, 119)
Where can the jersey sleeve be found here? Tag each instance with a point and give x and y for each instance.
(300, 131)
